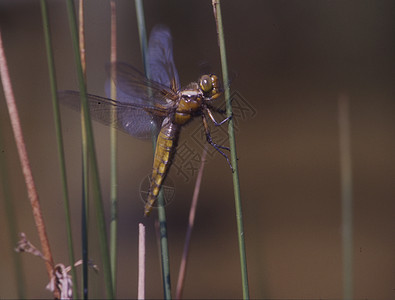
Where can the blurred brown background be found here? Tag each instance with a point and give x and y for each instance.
(292, 59)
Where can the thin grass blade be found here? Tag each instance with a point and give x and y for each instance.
(23, 157)
(232, 143)
(346, 195)
(192, 213)
(59, 139)
(85, 163)
(141, 276)
(161, 205)
(113, 154)
(92, 156)
(11, 220)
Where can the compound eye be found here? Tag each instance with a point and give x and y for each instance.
(214, 81)
(205, 83)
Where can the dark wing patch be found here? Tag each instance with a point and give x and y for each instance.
(160, 57)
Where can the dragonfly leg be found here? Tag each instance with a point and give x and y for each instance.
(215, 121)
(216, 146)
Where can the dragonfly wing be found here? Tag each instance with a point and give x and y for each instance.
(160, 57)
(133, 119)
(134, 86)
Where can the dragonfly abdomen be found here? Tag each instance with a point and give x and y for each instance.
(165, 149)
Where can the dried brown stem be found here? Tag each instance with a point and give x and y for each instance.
(113, 155)
(23, 157)
(192, 213)
(141, 278)
(82, 36)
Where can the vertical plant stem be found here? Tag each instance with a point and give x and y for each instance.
(141, 277)
(23, 157)
(164, 248)
(192, 213)
(144, 52)
(85, 163)
(81, 37)
(58, 128)
(113, 155)
(346, 194)
(232, 143)
(142, 35)
(92, 157)
(84, 231)
(161, 209)
(11, 219)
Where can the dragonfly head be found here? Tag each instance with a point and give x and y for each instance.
(210, 86)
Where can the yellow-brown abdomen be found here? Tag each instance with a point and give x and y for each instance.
(165, 148)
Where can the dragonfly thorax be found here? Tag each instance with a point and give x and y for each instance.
(191, 100)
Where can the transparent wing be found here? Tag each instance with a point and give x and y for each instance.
(131, 118)
(160, 57)
(140, 101)
(133, 87)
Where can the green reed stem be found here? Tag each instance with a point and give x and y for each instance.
(59, 139)
(11, 219)
(84, 226)
(92, 155)
(232, 143)
(142, 35)
(346, 194)
(164, 249)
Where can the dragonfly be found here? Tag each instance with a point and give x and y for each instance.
(158, 102)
